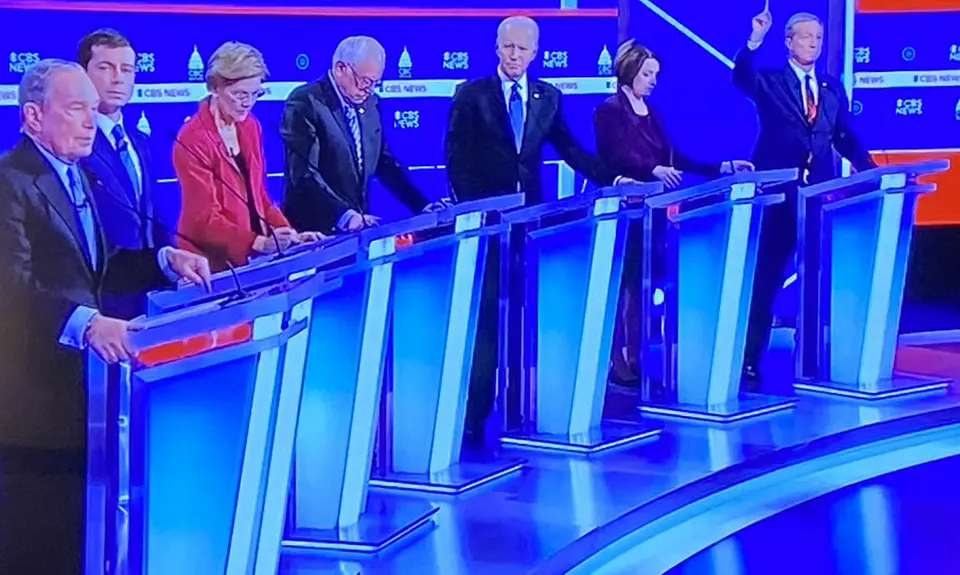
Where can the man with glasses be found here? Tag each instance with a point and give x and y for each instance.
(334, 143)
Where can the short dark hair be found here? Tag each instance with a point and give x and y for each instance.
(103, 37)
(629, 60)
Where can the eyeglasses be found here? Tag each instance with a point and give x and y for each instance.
(364, 83)
(243, 96)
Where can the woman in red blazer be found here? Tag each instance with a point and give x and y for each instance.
(631, 140)
(226, 213)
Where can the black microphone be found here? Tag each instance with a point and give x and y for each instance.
(269, 229)
(94, 180)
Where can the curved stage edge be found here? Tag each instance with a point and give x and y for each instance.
(646, 508)
(658, 536)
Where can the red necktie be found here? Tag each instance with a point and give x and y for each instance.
(811, 101)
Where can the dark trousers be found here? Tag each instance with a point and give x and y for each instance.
(778, 243)
(486, 353)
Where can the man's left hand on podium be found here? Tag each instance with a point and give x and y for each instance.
(439, 205)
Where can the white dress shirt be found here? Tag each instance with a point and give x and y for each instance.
(106, 125)
(507, 85)
(802, 75)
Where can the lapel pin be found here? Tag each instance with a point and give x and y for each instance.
(362, 110)
(536, 95)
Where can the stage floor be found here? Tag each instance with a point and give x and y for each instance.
(563, 509)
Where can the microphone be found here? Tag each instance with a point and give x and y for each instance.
(267, 227)
(94, 180)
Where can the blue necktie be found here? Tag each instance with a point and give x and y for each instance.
(353, 121)
(84, 213)
(516, 114)
(123, 148)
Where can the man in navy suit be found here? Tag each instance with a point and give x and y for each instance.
(120, 163)
(803, 119)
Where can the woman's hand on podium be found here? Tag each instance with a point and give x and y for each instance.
(670, 176)
(307, 237)
(281, 239)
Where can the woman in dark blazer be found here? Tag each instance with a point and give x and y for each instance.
(632, 141)
(226, 213)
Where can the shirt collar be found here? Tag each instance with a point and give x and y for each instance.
(507, 82)
(801, 73)
(56, 163)
(107, 125)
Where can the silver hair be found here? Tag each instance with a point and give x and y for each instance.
(519, 22)
(35, 83)
(797, 19)
(356, 49)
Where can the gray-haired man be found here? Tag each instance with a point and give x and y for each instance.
(804, 117)
(334, 142)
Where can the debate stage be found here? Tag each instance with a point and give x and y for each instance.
(647, 508)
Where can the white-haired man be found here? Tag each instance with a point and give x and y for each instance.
(57, 261)
(804, 117)
(497, 129)
(334, 143)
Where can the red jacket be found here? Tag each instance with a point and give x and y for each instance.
(214, 213)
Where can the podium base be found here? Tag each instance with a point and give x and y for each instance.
(386, 522)
(746, 407)
(900, 385)
(457, 479)
(608, 436)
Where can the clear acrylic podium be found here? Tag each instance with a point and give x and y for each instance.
(854, 243)
(435, 307)
(190, 444)
(557, 333)
(711, 239)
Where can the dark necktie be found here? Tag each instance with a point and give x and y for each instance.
(516, 115)
(123, 149)
(811, 100)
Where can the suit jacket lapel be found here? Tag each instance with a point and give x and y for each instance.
(498, 103)
(50, 187)
(793, 87)
(532, 123)
(332, 100)
(369, 137)
(104, 153)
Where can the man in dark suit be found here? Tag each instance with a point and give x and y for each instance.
(803, 119)
(334, 143)
(497, 128)
(56, 261)
(121, 158)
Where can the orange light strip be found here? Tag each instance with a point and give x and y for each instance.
(330, 11)
(195, 345)
(868, 6)
(941, 207)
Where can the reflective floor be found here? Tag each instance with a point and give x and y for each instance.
(905, 523)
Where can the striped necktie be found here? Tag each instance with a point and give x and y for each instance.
(353, 121)
(84, 213)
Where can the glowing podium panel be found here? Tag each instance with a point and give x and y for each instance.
(186, 464)
(854, 246)
(329, 509)
(436, 297)
(712, 237)
(569, 254)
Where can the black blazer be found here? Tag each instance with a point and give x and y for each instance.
(127, 223)
(321, 179)
(46, 275)
(634, 146)
(482, 158)
(786, 139)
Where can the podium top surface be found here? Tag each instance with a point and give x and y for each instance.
(580, 201)
(870, 180)
(720, 185)
(491, 204)
(225, 311)
(263, 271)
